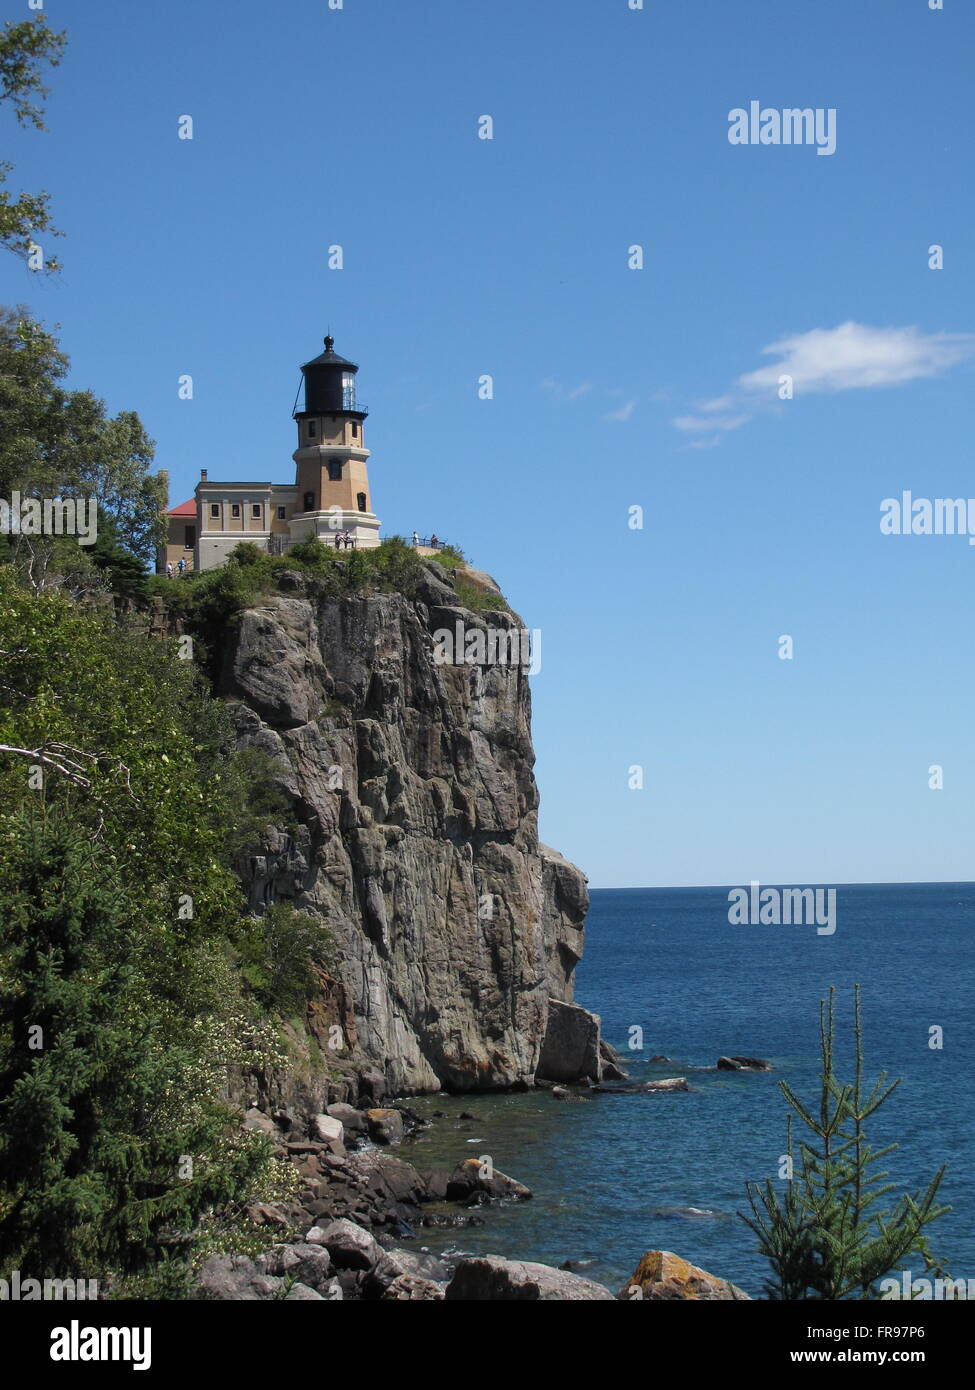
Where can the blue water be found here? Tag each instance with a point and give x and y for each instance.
(667, 961)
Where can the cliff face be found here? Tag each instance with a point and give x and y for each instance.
(411, 783)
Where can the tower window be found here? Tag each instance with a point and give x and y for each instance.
(312, 428)
(355, 429)
(256, 510)
(348, 391)
(309, 501)
(335, 470)
(189, 537)
(282, 512)
(360, 498)
(235, 510)
(214, 511)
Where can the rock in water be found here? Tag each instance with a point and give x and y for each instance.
(690, 1214)
(743, 1064)
(468, 1178)
(385, 1126)
(662, 1275)
(632, 1088)
(571, 1046)
(491, 1277)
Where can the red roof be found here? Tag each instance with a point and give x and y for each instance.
(184, 509)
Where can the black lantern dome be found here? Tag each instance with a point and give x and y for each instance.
(330, 387)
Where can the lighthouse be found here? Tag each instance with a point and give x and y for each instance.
(332, 478)
(328, 500)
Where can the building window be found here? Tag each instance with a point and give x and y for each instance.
(282, 512)
(355, 429)
(256, 510)
(335, 470)
(309, 501)
(235, 510)
(348, 391)
(311, 429)
(189, 537)
(214, 511)
(360, 498)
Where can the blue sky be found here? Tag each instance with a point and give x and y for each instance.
(613, 387)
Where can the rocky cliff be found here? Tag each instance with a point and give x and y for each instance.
(415, 807)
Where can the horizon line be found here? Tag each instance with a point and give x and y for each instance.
(769, 883)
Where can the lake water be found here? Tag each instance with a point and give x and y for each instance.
(669, 962)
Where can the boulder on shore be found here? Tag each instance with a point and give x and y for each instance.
(328, 1130)
(349, 1246)
(490, 1277)
(385, 1126)
(662, 1275)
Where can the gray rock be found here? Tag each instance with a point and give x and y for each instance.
(467, 1179)
(433, 816)
(314, 1266)
(353, 1121)
(570, 1050)
(330, 1131)
(611, 1068)
(257, 1120)
(301, 1293)
(632, 1088)
(229, 1277)
(407, 1288)
(350, 1246)
(385, 1126)
(743, 1064)
(491, 1277)
(662, 1276)
(397, 1264)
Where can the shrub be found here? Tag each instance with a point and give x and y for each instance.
(279, 953)
(823, 1239)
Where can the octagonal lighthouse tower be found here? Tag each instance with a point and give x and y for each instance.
(332, 481)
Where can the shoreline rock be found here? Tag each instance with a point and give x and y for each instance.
(661, 1276)
(733, 1063)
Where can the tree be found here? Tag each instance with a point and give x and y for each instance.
(120, 1008)
(824, 1238)
(99, 1164)
(55, 442)
(24, 48)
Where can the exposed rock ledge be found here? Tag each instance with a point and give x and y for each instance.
(411, 784)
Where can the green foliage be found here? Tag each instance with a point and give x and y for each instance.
(279, 953)
(252, 786)
(210, 599)
(121, 908)
(450, 556)
(24, 47)
(62, 443)
(470, 596)
(310, 555)
(106, 1090)
(824, 1238)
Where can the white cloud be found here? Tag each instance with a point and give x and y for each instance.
(850, 357)
(692, 423)
(854, 356)
(623, 412)
(561, 392)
